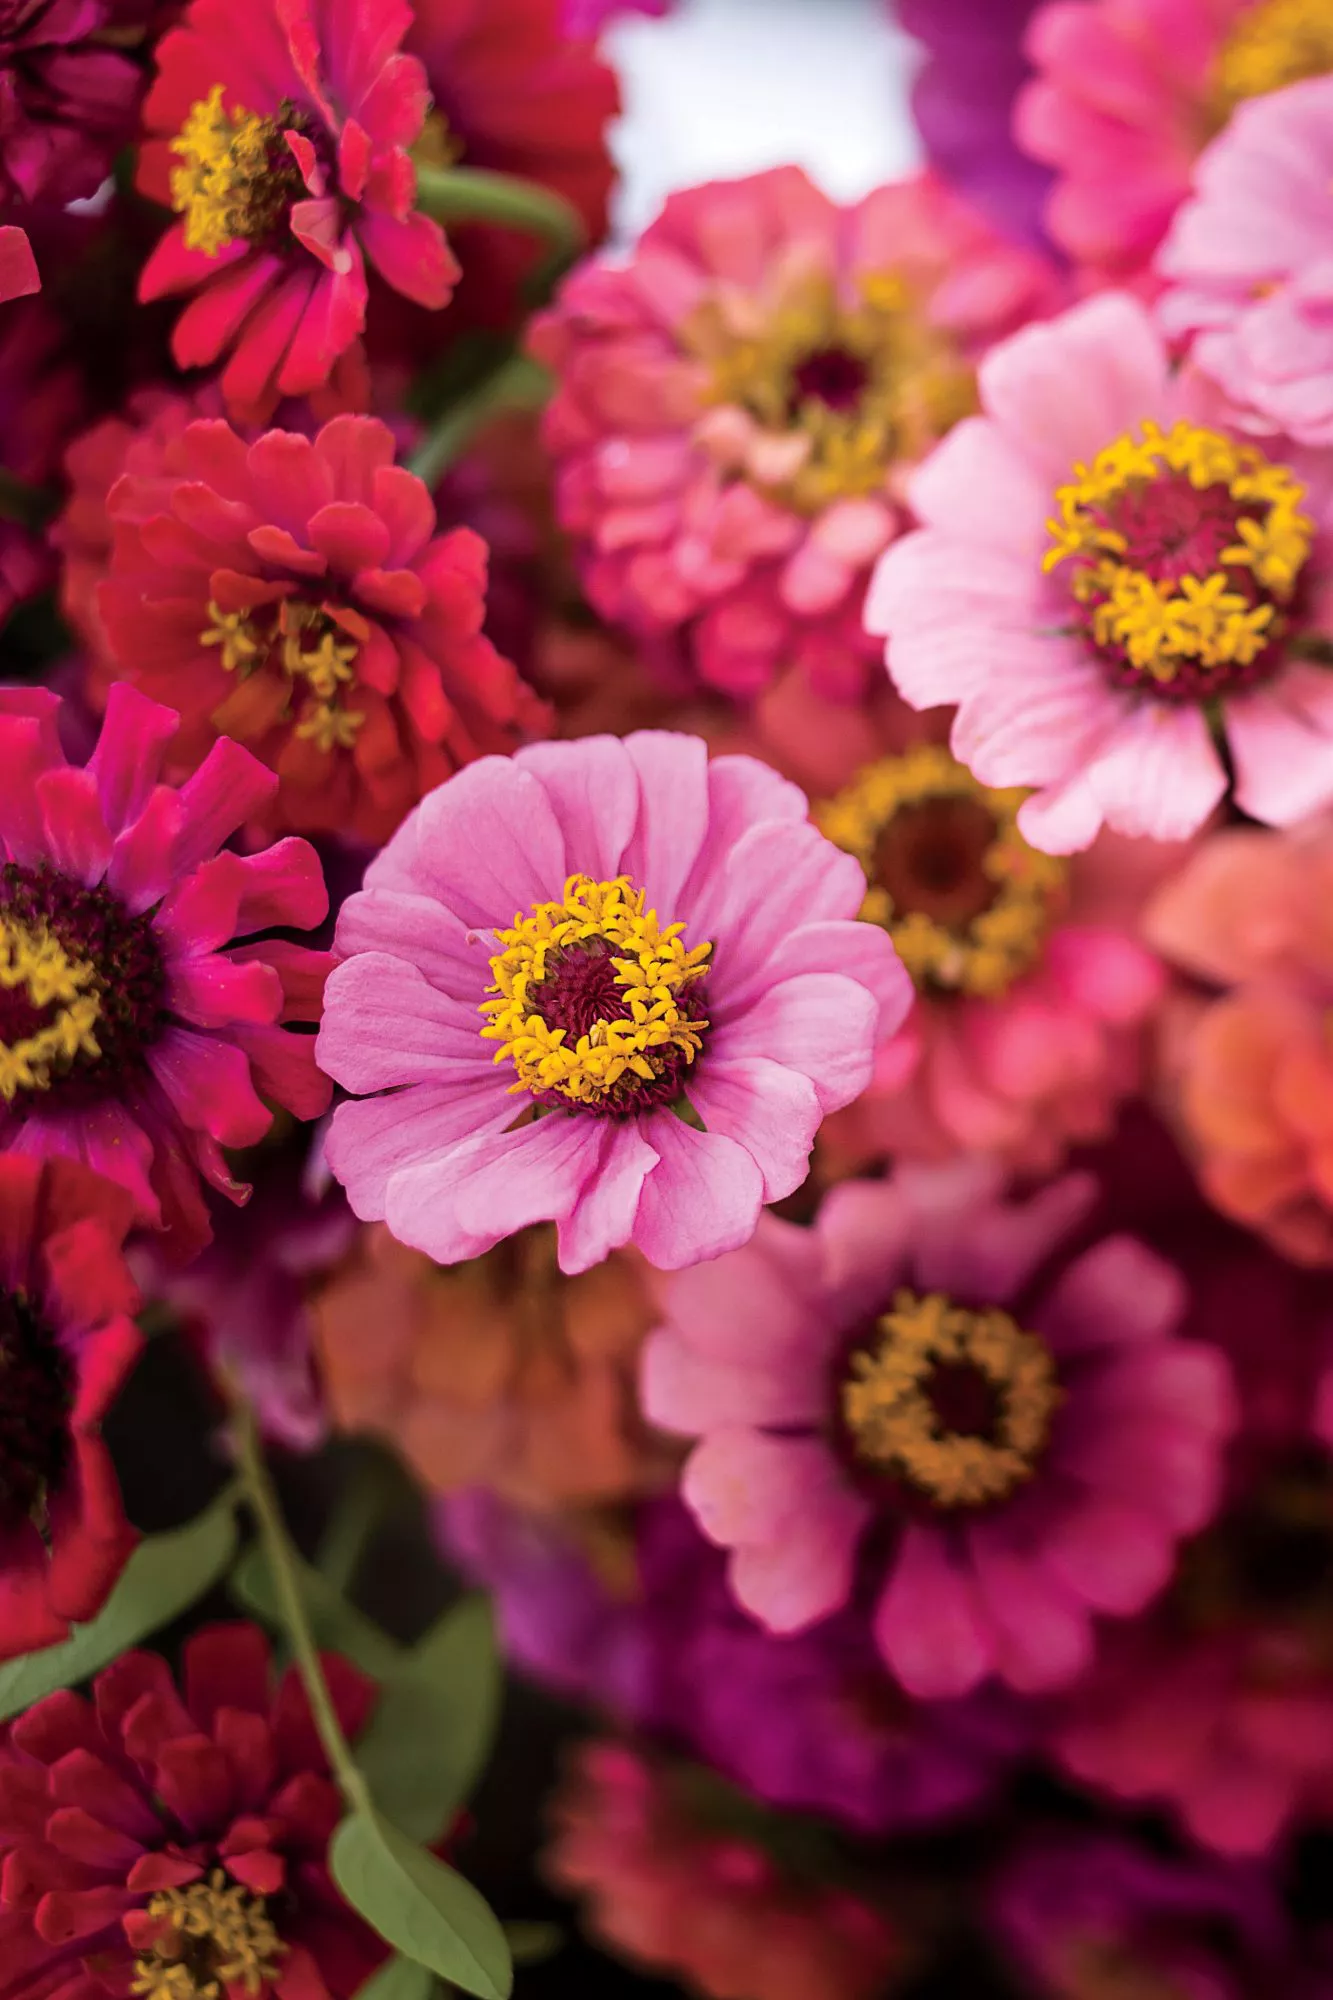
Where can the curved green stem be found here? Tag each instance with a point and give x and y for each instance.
(471, 194)
(517, 383)
(263, 1503)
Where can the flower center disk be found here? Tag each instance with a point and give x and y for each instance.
(1272, 44)
(595, 1003)
(237, 176)
(313, 650)
(1186, 551)
(954, 1404)
(213, 1941)
(966, 901)
(36, 1399)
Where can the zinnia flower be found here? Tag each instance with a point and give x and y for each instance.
(605, 984)
(172, 1845)
(498, 1372)
(294, 593)
(710, 1908)
(281, 140)
(1128, 93)
(18, 266)
(1101, 581)
(889, 1377)
(1247, 258)
(1252, 1072)
(69, 96)
(737, 406)
(139, 1021)
(67, 1342)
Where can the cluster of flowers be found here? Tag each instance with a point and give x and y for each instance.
(689, 885)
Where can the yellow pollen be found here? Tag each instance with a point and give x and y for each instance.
(913, 386)
(895, 1426)
(216, 1943)
(652, 970)
(36, 965)
(1201, 620)
(986, 950)
(232, 181)
(1272, 44)
(310, 648)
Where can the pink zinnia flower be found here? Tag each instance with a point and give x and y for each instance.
(1129, 92)
(294, 593)
(18, 267)
(1250, 258)
(891, 1377)
(137, 1023)
(1106, 574)
(1251, 1069)
(606, 984)
(281, 137)
(736, 408)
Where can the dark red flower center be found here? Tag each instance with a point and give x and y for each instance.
(82, 985)
(930, 858)
(581, 993)
(832, 376)
(36, 1398)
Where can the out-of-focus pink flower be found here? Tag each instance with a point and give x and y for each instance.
(1030, 1467)
(1249, 262)
(589, 17)
(69, 97)
(18, 267)
(606, 984)
(280, 137)
(736, 408)
(1251, 1073)
(1128, 92)
(670, 1893)
(1105, 573)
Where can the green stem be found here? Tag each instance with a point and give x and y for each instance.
(471, 194)
(263, 1503)
(517, 383)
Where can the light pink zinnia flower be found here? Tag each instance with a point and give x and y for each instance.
(1249, 262)
(867, 1379)
(605, 984)
(1128, 93)
(736, 407)
(1102, 581)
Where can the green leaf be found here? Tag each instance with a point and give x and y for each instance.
(165, 1576)
(401, 1979)
(530, 1944)
(337, 1626)
(434, 1723)
(420, 1906)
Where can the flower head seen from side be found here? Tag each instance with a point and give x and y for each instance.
(736, 408)
(1129, 92)
(203, 1817)
(294, 593)
(140, 1014)
(67, 1342)
(282, 144)
(1244, 258)
(1013, 1456)
(1103, 583)
(606, 984)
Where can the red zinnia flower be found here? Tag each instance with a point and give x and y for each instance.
(128, 1036)
(67, 1342)
(281, 137)
(174, 1848)
(294, 593)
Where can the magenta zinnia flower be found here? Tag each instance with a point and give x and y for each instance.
(1031, 1457)
(602, 983)
(1106, 575)
(69, 95)
(129, 1036)
(737, 407)
(1248, 262)
(281, 138)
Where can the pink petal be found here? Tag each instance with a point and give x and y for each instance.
(702, 1199)
(385, 1024)
(603, 1216)
(487, 1188)
(369, 1142)
(771, 1111)
(1119, 1292)
(930, 1625)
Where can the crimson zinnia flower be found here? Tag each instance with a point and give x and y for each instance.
(173, 1847)
(294, 593)
(67, 1341)
(280, 136)
(128, 1036)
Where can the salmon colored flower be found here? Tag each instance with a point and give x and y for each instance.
(294, 593)
(737, 406)
(499, 1373)
(1252, 1075)
(67, 1342)
(280, 138)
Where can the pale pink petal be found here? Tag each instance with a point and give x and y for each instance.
(489, 1187)
(487, 844)
(1281, 741)
(1069, 386)
(1117, 1293)
(368, 1142)
(1043, 1635)
(773, 1112)
(385, 1024)
(685, 1387)
(594, 796)
(702, 1199)
(603, 1217)
(1160, 775)
(930, 1625)
(818, 1024)
(673, 815)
